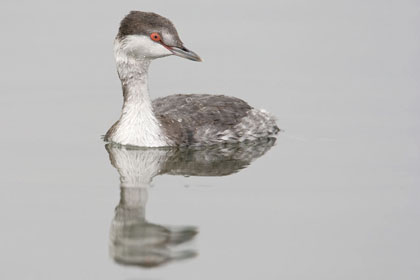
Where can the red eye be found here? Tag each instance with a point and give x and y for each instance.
(155, 37)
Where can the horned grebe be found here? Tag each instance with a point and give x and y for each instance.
(176, 120)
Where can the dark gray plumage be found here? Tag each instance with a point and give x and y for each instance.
(143, 23)
(181, 115)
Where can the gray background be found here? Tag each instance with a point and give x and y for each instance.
(337, 198)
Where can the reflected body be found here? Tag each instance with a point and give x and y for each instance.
(176, 120)
(136, 241)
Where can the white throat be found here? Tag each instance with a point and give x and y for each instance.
(137, 125)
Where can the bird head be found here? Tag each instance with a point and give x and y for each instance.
(150, 36)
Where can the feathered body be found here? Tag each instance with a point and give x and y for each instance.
(194, 119)
(176, 120)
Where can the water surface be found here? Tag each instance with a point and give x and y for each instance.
(336, 196)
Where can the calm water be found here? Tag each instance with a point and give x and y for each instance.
(335, 197)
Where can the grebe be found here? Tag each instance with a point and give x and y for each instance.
(176, 120)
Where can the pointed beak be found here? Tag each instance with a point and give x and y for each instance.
(185, 53)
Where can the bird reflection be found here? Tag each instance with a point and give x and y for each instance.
(136, 241)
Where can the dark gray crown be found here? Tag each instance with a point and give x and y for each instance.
(142, 23)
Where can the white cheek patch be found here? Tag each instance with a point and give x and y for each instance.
(141, 46)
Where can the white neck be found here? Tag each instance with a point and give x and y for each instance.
(138, 125)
